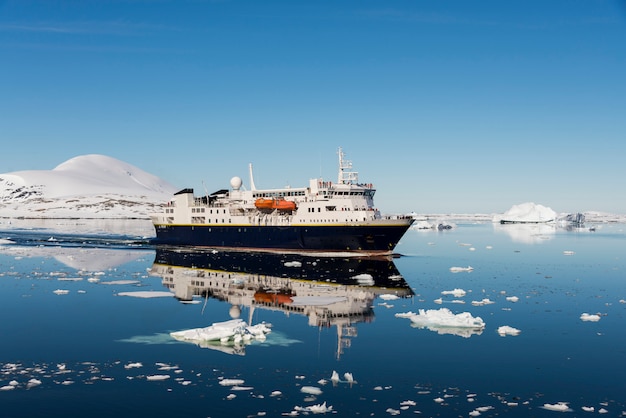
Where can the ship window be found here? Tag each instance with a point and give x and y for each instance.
(319, 209)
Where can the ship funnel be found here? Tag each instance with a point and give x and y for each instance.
(252, 186)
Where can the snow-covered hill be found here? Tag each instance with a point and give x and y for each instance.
(88, 186)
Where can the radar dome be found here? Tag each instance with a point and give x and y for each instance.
(235, 183)
(234, 312)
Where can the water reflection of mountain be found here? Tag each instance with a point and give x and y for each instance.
(329, 291)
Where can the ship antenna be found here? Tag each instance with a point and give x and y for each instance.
(252, 186)
(206, 192)
(346, 177)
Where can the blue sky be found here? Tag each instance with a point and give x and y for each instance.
(446, 106)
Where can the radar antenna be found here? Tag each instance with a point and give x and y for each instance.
(252, 186)
(346, 177)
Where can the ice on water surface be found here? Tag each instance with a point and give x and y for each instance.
(542, 291)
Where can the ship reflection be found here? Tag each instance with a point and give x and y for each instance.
(331, 292)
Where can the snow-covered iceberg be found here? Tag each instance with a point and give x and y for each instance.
(235, 331)
(526, 213)
(444, 321)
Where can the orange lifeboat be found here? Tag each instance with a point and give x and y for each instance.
(280, 204)
(264, 203)
(272, 298)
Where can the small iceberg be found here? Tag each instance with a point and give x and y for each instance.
(311, 390)
(444, 321)
(507, 330)
(460, 269)
(558, 407)
(590, 317)
(315, 409)
(234, 330)
(526, 213)
(457, 293)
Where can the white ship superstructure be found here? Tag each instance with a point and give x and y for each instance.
(330, 216)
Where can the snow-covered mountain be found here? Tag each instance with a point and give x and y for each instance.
(88, 186)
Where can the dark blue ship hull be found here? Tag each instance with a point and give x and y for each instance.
(364, 238)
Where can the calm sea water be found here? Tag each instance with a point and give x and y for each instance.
(94, 352)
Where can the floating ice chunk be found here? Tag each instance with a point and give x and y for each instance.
(241, 388)
(276, 393)
(223, 331)
(603, 411)
(588, 408)
(507, 330)
(457, 293)
(443, 317)
(231, 382)
(460, 269)
(7, 387)
(146, 294)
(348, 377)
(293, 264)
(4, 241)
(231, 396)
(157, 377)
(315, 409)
(590, 317)
(133, 365)
(61, 292)
(392, 411)
(558, 407)
(438, 301)
(568, 252)
(311, 390)
(334, 377)
(389, 297)
(438, 400)
(408, 403)
(483, 302)
(32, 383)
(512, 299)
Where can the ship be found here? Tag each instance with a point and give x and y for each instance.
(322, 217)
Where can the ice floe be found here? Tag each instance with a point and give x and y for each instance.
(507, 330)
(445, 322)
(311, 390)
(558, 407)
(147, 294)
(315, 409)
(235, 330)
(590, 317)
(157, 377)
(455, 269)
(231, 382)
(388, 296)
(457, 293)
(483, 302)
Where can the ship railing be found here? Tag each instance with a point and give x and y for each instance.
(395, 217)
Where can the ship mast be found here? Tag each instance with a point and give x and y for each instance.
(346, 177)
